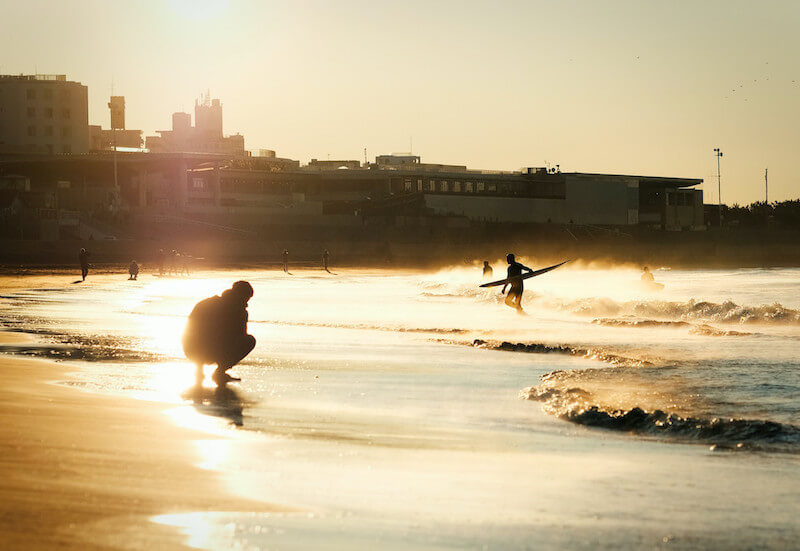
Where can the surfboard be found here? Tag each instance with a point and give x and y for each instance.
(523, 276)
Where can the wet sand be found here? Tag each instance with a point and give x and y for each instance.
(86, 471)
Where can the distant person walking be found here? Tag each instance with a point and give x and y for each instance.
(216, 333)
(647, 275)
(487, 270)
(286, 260)
(133, 270)
(326, 256)
(83, 259)
(514, 296)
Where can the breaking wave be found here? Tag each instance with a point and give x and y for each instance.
(701, 329)
(581, 406)
(690, 311)
(598, 354)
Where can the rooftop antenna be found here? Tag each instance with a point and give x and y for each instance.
(766, 186)
(365, 156)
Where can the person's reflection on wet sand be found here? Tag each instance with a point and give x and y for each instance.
(221, 402)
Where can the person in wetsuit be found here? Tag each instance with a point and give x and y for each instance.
(216, 333)
(83, 259)
(487, 270)
(133, 270)
(647, 275)
(514, 296)
(326, 256)
(285, 260)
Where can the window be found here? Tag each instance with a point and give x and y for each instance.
(31, 93)
(31, 131)
(48, 130)
(480, 187)
(66, 131)
(457, 187)
(48, 112)
(407, 185)
(445, 186)
(419, 185)
(468, 187)
(66, 113)
(198, 184)
(492, 188)
(432, 185)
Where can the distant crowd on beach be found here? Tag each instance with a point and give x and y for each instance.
(178, 263)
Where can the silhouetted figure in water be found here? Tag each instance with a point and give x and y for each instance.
(326, 256)
(162, 258)
(216, 332)
(487, 270)
(133, 270)
(515, 269)
(286, 260)
(647, 275)
(83, 258)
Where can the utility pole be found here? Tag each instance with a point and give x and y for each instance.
(718, 153)
(766, 186)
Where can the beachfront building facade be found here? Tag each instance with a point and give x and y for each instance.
(43, 114)
(530, 196)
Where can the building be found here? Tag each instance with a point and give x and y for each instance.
(530, 196)
(43, 114)
(205, 136)
(117, 136)
(104, 139)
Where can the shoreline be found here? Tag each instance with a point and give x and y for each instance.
(76, 461)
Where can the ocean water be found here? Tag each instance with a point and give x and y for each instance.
(400, 409)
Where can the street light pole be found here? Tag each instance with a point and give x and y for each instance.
(718, 153)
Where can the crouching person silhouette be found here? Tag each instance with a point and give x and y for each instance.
(216, 333)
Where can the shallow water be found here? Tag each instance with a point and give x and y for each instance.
(369, 405)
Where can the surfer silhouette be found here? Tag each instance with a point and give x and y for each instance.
(326, 256)
(487, 270)
(83, 258)
(133, 270)
(514, 296)
(216, 333)
(285, 260)
(647, 275)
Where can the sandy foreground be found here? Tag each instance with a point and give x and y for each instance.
(87, 471)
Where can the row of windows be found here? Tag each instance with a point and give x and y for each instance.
(48, 113)
(66, 131)
(537, 189)
(47, 93)
(241, 185)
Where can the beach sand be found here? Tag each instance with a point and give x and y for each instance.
(87, 471)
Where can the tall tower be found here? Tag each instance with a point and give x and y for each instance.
(117, 106)
(208, 116)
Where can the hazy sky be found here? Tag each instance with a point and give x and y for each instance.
(633, 87)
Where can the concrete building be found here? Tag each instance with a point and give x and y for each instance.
(43, 114)
(205, 136)
(531, 196)
(101, 139)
